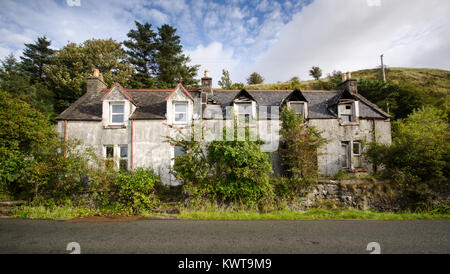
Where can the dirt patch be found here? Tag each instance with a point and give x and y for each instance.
(94, 219)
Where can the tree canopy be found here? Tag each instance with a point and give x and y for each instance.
(255, 78)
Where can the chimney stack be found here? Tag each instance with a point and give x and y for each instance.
(348, 83)
(207, 90)
(95, 82)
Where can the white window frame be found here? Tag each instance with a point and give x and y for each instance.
(111, 112)
(175, 113)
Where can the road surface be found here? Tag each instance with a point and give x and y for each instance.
(225, 236)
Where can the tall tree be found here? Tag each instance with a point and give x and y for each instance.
(172, 63)
(141, 48)
(315, 72)
(18, 84)
(36, 57)
(225, 81)
(255, 78)
(74, 63)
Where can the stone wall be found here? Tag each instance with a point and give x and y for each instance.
(356, 193)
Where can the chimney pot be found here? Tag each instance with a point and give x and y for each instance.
(206, 73)
(95, 82)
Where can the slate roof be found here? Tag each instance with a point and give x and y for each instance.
(151, 104)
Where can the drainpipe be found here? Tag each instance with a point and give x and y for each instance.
(65, 136)
(374, 140)
(131, 154)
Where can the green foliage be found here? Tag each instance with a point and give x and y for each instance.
(399, 100)
(73, 63)
(135, 190)
(225, 81)
(36, 57)
(315, 72)
(20, 85)
(238, 85)
(224, 171)
(172, 63)
(141, 48)
(255, 78)
(419, 156)
(241, 171)
(298, 151)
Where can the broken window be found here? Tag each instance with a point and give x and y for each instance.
(299, 108)
(109, 155)
(346, 112)
(123, 161)
(244, 112)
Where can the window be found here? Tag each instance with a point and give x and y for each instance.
(178, 151)
(356, 148)
(346, 118)
(180, 113)
(346, 112)
(244, 112)
(117, 113)
(299, 107)
(109, 155)
(344, 155)
(123, 161)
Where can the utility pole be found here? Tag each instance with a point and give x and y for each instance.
(382, 69)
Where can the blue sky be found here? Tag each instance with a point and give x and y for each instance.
(279, 39)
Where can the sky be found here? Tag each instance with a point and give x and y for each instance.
(278, 39)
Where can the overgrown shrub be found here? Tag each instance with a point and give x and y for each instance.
(298, 151)
(135, 189)
(241, 171)
(419, 157)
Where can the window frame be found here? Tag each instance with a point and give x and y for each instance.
(347, 158)
(242, 117)
(302, 103)
(111, 113)
(125, 158)
(359, 148)
(185, 113)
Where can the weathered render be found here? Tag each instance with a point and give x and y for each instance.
(129, 126)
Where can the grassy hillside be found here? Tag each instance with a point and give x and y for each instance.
(430, 80)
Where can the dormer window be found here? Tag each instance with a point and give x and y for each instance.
(117, 113)
(347, 112)
(180, 113)
(244, 112)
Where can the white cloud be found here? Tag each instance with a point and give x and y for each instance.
(350, 35)
(214, 58)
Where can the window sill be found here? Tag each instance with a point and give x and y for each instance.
(114, 126)
(348, 123)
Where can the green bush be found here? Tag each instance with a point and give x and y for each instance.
(135, 189)
(241, 171)
(420, 150)
(298, 151)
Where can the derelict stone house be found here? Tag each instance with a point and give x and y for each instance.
(129, 126)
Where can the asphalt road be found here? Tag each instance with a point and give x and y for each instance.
(225, 236)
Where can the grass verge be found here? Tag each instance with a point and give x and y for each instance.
(312, 214)
(41, 212)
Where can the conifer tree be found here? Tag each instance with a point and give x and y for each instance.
(36, 57)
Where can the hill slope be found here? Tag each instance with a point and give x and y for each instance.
(430, 80)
